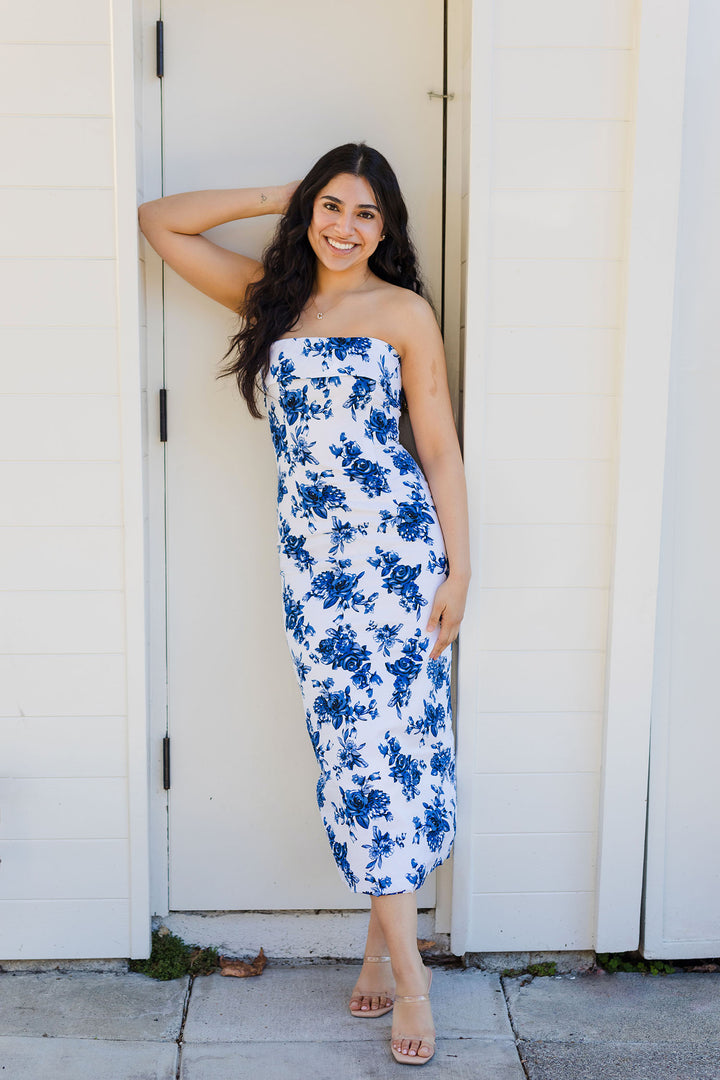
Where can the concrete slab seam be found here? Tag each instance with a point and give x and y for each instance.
(516, 1037)
(179, 1040)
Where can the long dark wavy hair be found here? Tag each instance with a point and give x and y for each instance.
(274, 302)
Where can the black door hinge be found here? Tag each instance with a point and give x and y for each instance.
(166, 762)
(163, 414)
(159, 49)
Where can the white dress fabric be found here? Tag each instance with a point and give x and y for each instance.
(361, 556)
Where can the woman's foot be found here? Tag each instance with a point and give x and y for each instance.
(374, 990)
(413, 1034)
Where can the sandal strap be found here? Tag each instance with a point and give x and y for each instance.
(412, 997)
(428, 1039)
(372, 993)
(375, 959)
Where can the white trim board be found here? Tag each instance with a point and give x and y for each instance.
(681, 917)
(477, 229)
(641, 457)
(150, 183)
(128, 321)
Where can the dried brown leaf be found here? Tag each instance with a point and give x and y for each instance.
(425, 946)
(241, 968)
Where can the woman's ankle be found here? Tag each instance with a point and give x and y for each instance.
(410, 972)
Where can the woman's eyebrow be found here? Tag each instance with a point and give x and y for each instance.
(360, 206)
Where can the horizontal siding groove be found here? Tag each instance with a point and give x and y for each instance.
(533, 652)
(14, 525)
(60, 461)
(556, 258)
(565, 119)
(540, 524)
(489, 457)
(550, 393)
(56, 187)
(546, 326)
(57, 258)
(507, 119)
(538, 712)
(38, 41)
(68, 394)
(554, 189)
(114, 652)
(75, 589)
(563, 48)
(547, 524)
(59, 326)
(544, 772)
(536, 892)
(590, 833)
(54, 900)
(59, 116)
(549, 588)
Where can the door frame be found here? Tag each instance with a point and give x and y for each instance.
(149, 124)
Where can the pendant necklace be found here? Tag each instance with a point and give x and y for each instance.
(322, 314)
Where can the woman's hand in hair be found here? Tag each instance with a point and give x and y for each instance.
(288, 192)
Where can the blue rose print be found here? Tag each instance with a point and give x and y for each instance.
(361, 556)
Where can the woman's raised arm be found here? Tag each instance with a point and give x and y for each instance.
(173, 227)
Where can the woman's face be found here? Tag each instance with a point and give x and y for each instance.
(346, 225)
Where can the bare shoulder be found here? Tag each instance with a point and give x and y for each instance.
(409, 318)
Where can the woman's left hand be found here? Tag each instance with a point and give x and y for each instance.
(447, 611)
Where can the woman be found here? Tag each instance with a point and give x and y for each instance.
(374, 551)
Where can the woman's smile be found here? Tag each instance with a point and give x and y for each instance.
(340, 246)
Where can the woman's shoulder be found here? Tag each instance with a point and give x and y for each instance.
(403, 305)
(406, 318)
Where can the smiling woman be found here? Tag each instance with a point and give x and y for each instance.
(342, 247)
(373, 548)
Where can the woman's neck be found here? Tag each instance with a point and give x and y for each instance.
(330, 283)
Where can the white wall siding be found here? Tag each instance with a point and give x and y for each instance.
(545, 338)
(64, 801)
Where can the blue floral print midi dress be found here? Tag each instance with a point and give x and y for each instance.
(361, 556)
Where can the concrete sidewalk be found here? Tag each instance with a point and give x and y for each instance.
(292, 1023)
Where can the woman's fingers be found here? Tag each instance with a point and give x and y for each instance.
(449, 627)
(446, 637)
(447, 612)
(436, 613)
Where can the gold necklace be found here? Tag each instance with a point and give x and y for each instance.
(322, 314)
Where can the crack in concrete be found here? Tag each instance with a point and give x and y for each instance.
(179, 1040)
(516, 1037)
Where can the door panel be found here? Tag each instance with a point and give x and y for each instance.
(253, 94)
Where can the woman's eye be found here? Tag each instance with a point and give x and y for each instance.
(330, 206)
(367, 214)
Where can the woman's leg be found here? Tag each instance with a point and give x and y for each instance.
(397, 916)
(375, 979)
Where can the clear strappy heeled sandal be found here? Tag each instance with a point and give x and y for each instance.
(425, 1040)
(383, 995)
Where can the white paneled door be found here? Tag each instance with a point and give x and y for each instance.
(253, 94)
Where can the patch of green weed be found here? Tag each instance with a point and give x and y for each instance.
(172, 958)
(633, 962)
